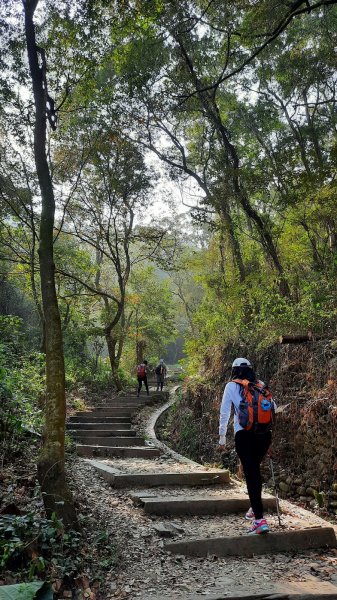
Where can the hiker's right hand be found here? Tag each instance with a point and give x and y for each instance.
(222, 443)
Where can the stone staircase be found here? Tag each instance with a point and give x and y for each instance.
(106, 430)
(225, 500)
(192, 496)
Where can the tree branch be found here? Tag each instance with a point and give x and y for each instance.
(274, 35)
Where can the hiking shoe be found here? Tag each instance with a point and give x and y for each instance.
(250, 514)
(260, 526)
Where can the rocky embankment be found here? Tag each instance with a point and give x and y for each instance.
(303, 378)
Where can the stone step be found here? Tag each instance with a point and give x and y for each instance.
(193, 505)
(125, 402)
(128, 406)
(249, 545)
(111, 412)
(93, 419)
(282, 590)
(120, 442)
(74, 426)
(160, 479)
(108, 451)
(143, 398)
(83, 433)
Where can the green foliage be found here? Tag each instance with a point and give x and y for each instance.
(139, 77)
(32, 546)
(21, 384)
(181, 429)
(35, 590)
(253, 312)
(319, 497)
(87, 371)
(27, 542)
(151, 314)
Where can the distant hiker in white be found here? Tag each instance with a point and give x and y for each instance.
(254, 411)
(160, 372)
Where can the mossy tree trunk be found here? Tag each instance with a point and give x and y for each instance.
(51, 465)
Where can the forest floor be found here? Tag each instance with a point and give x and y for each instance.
(144, 569)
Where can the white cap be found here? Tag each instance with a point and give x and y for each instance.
(241, 362)
(161, 360)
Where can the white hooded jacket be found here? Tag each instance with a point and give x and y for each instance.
(231, 396)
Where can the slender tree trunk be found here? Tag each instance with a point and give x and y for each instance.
(317, 258)
(313, 133)
(234, 243)
(51, 464)
(140, 347)
(37, 301)
(111, 343)
(232, 165)
(121, 339)
(296, 132)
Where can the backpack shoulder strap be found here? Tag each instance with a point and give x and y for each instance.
(262, 388)
(244, 382)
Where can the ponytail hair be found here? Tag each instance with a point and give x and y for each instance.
(243, 373)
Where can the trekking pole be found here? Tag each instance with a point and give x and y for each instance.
(275, 490)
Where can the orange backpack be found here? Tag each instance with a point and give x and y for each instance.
(256, 409)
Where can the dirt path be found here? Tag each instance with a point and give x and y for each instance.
(146, 570)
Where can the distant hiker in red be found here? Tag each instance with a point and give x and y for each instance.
(254, 411)
(160, 372)
(142, 377)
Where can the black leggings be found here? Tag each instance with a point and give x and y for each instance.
(140, 381)
(251, 448)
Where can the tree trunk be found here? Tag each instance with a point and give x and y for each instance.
(140, 347)
(111, 343)
(51, 464)
(232, 166)
(234, 242)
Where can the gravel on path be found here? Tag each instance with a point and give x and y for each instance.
(146, 570)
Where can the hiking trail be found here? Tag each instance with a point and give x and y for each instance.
(179, 526)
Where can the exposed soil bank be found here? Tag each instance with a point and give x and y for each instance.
(303, 378)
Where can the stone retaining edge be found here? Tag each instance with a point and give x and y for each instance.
(150, 431)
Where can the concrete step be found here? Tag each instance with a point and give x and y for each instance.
(84, 418)
(111, 412)
(249, 545)
(83, 433)
(203, 505)
(129, 407)
(75, 426)
(160, 479)
(120, 442)
(124, 402)
(108, 451)
(282, 590)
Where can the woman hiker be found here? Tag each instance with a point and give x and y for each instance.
(142, 370)
(254, 411)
